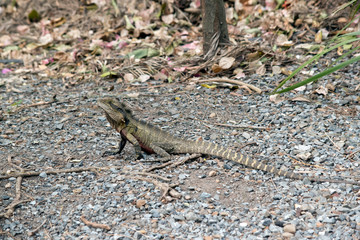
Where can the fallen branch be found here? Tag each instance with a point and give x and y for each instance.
(184, 160)
(54, 171)
(37, 104)
(174, 164)
(166, 188)
(31, 233)
(237, 82)
(352, 154)
(240, 126)
(93, 224)
(11, 208)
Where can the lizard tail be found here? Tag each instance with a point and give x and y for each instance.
(219, 151)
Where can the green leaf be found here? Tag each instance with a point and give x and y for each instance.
(129, 26)
(11, 48)
(108, 74)
(208, 86)
(317, 76)
(34, 16)
(315, 58)
(17, 103)
(143, 52)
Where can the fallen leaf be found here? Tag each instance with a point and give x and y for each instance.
(129, 77)
(299, 89)
(46, 39)
(261, 70)
(160, 76)
(5, 40)
(322, 90)
(140, 203)
(239, 73)
(74, 34)
(330, 87)
(282, 40)
(276, 98)
(305, 46)
(22, 29)
(318, 37)
(340, 51)
(286, 71)
(300, 99)
(226, 62)
(216, 68)
(208, 86)
(276, 70)
(144, 77)
(342, 20)
(168, 19)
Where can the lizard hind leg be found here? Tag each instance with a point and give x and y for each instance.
(160, 151)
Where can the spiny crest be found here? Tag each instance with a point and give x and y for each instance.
(125, 108)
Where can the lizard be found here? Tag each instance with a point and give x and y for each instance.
(151, 139)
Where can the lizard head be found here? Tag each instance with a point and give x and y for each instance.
(116, 112)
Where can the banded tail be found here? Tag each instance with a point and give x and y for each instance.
(219, 151)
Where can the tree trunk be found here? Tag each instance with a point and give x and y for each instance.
(215, 32)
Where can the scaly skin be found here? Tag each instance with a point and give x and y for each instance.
(154, 140)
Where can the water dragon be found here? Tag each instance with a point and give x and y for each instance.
(150, 139)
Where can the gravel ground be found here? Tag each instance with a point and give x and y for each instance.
(218, 198)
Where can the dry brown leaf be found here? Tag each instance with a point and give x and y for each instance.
(140, 203)
(144, 77)
(330, 87)
(168, 19)
(282, 40)
(226, 62)
(74, 34)
(300, 99)
(322, 90)
(62, 57)
(276, 70)
(286, 71)
(129, 77)
(239, 73)
(5, 40)
(238, 6)
(340, 51)
(318, 37)
(261, 70)
(342, 20)
(254, 65)
(23, 29)
(299, 89)
(46, 39)
(216, 68)
(160, 76)
(276, 98)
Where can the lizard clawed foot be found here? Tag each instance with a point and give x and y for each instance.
(110, 153)
(140, 156)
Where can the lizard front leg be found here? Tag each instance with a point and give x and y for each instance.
(122, 144)
(134, 142)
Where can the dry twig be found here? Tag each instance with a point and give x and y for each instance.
(36, 104)
(31, 233)
(93, 224)
(173, 164)
(166, 188)
(11, 208)
(237, 82)
(57, 171)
